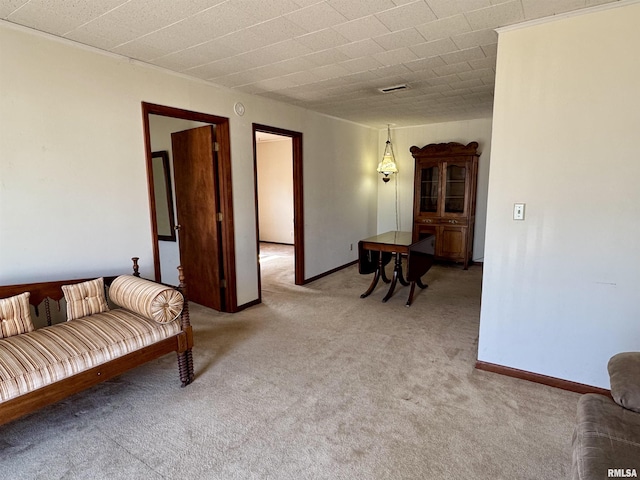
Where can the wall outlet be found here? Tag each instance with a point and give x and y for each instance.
(518, 211)
(351, 246)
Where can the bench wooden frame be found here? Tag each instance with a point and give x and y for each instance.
(181, 343)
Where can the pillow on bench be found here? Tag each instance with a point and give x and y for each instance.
(151, 300)
(85, 298)
(15, 316)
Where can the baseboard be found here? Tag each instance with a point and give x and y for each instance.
(337, 269)
(244, 306)
(543, 379)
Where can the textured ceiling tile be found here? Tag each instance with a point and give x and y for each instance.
(195, 56)
(361, 29)
(361, 48)
(70, 14)
(399, 39)
(7, 7)
(479, 37)
(489, 62)
(437, 47)
(479, 73)
(141, 50)
(226, 66)
(448, 8)
(394, 57)
(275, 53)
(322, 40)
(542, 8)
(276, 30)
(425, 64)
(452, 69)
(293, 65)
(475, 53)
(357, 9)
(328, 71)
(360, 64)
(400, 18)
(264, 9)
(496, 16)
(444, 28)
(326, 57)
(316, 17)
(490, 50)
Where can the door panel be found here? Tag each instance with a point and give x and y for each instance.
(197, 207)
(451, 242)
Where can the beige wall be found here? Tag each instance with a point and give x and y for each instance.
(275, 190)
(73, 192)
(560, 289)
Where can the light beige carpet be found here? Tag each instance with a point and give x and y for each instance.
(315, 383)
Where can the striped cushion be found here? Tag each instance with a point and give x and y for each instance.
(15, 316)
(152, 300)
(86, 298)
(36, 359)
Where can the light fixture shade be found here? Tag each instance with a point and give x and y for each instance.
(388, 164)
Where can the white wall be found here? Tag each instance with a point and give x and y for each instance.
(275, 190)
(560, 289)
(73, 194)
(402, 140)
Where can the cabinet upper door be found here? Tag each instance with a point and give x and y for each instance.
(456, 180)
(428, 186)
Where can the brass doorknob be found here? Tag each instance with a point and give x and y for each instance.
(177, 227)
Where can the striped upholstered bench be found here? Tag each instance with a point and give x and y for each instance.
(95, 343)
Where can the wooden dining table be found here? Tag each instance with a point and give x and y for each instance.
(374, 253)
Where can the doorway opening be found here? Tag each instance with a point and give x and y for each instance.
(209, 267)
(278, 185)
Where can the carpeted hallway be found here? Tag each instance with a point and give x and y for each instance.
(314, 383)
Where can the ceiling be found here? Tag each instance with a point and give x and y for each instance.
(329, 56)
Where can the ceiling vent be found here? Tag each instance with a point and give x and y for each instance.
(395, 88)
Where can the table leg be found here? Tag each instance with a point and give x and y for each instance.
(397, 274)
(400, 275)
(376, 277)
(413, 288)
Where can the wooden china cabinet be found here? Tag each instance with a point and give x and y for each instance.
(445, 198)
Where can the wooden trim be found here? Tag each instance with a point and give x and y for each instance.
(227, 224)
(298, 198)
(19, 406)
(252, 303)
(229, 294)
(543, 379)
(325, 274)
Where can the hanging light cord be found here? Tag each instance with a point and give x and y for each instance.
(393, 155)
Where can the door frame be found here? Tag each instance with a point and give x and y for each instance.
(227, 246)
(298, 205)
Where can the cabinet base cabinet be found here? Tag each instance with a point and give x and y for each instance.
(451, 242)
(445, 197)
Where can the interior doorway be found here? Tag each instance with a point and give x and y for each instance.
(278, 195)
(217, 256)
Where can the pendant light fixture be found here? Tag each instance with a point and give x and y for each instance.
(388, 164)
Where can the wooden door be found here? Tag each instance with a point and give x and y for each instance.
(196, 184)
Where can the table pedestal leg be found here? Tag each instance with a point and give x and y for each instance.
(413, 288)
(397, 275)
(376, 278)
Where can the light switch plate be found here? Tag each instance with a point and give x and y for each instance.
(518, 211)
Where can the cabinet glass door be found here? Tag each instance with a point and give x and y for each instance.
(429, 189)
(454, 188)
